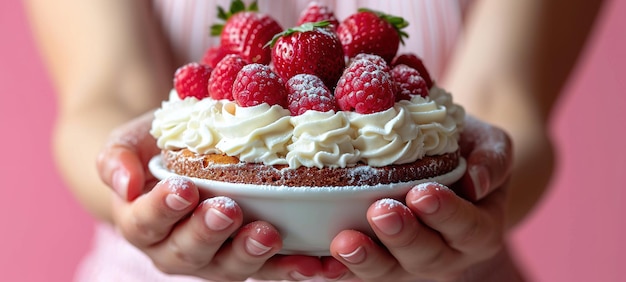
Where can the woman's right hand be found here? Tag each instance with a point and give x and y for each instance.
(179, 231)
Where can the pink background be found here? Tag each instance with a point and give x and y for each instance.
(576, 234)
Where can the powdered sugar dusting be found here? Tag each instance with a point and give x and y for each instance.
(222, 202)
(178, 182)
(388, 203)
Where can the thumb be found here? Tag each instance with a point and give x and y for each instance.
(489, 154)
(122, 163)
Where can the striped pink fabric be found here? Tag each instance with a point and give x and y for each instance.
(435, 26)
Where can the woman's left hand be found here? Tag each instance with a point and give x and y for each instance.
(438, 233)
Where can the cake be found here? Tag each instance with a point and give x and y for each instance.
(331, 115)
(307, 127)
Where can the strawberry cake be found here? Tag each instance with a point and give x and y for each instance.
(323, 104)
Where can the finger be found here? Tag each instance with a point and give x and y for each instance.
(363, 257)
(334, 270)
(417, 248)
(151, 217)
(291, 267)
(250, 248)
(193, 243)
(121, 164)
(466, 227)
(489, 154)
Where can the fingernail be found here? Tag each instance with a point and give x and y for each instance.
(295, 275)
(481, 181)
(120, 182)
(216, 220)
(389, 223)
(427, 204)
(356, 256)
(255, 247)
(176, 202)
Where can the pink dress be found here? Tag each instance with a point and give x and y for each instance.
(435, 27)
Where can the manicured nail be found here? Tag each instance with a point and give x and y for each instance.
(120, 182)
(176, 202)
(355, 256)
(389, 223)
(255, 247)
(481, 181)
(216, 220)
(427, 204)
(295, 275)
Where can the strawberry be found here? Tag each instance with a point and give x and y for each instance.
(191, 80)
(415, 62)
(317, 12)
(365, 87)
(256, 84)
(408, 82)
(372, 32)
(310, 48)
(246, 31)
(213, 55)
(308, 92)
(223, 77)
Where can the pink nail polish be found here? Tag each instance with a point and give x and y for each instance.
(176, 202)
(120, 182)
(255, 247)
(295, 275)
(389, 223)
(427, 204)
(481, 181)
(355, 256)
(216, 220)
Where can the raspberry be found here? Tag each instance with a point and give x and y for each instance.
(408, 82)
(415, 62)
(214, 55)
(191, 80)
(256, 84)
(308, 92)
(365, 88)
(224, 74)
(378, 60)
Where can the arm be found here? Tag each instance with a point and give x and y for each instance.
(96, 52)
(513, 64)
(509, 71)
(110, 66)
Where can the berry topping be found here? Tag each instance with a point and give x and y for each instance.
(415, 62)
(191, 80)
(223, 77)
(214, 55)
(256, 84)
(308, 92)
(372, 32)
(246, 31)
(408, 82)
(378, 60)
(365, 88)
(310, 48)
(317, 12)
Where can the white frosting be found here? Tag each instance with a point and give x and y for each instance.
(268, 134)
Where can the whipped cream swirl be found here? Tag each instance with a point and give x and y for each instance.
(269, 135)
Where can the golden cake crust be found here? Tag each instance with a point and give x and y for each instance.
(230, 169)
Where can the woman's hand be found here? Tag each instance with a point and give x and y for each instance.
(437, 233)
(181, 232)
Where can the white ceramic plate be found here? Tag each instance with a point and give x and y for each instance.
(308, 218)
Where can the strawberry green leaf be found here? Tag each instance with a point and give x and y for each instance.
(305, 27)
(398, 23)
(237, 6)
